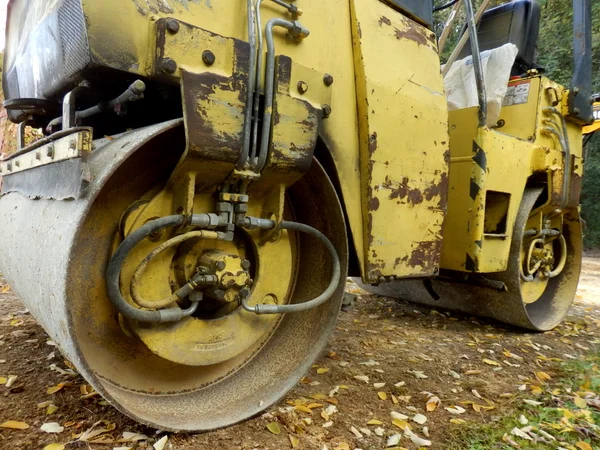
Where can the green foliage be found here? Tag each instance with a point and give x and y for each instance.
(555, 54)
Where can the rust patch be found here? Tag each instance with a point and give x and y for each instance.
(384, 20)
(416, 34)
(399, 260)
(374, 204)
(575, 191)
(402, 191)
(426, 255)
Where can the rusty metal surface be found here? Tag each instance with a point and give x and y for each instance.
(403, 134)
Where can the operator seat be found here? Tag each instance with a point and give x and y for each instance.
(515, 23)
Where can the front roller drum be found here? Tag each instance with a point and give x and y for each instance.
(55, 254)
(526, 294)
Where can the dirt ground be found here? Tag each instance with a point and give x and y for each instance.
(385, 356)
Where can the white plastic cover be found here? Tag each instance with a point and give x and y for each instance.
(461, 88)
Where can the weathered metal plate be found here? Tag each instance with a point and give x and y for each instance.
(404, 142)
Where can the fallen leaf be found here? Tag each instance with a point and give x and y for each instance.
(3, 380)
(160, 444)
(455, 409)
(379, 431)
(532, 402)
(133, 437)
(322, 370)
(491, 362)
(294, 441)
(54, 446)
(399, 416)
(378, 385)
(51, 409)
(473, 372)
(420, 419)
(362, 378)
(123, 448)
(382, 395)
(519, 433)
(458, 421)
(402, 424)
(52, 427)
(432, 403)
(374, 422)
(523, 420)
(11, 380)
(14, 425)
(356, 433)
(273, 427)
(580, 402)
(583, 445)
(416, 439)
(543, 376)
(394, 439)
(54, 389)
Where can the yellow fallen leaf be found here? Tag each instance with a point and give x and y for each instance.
(457, 421)
(14, 425)
(584, 445)
(543, 376)
(472, 372)
(51, 409)
(322, 370)
(402, 424)
(273, 427)
(342, 446)
(54, 389)
(303, 408)
(394, 400)
(3, 380)
(579, 402)
(536, 390)
(294, 441)
(382, 395)
(374, 422)
(54, 446)
(432, 403)
(491, 362)
(314, 405)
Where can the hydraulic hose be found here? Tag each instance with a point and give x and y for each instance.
(326, 295)
(182, 292)
(115, 266)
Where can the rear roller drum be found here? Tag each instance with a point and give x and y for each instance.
(536, 290)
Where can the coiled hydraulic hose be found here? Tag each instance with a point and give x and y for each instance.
(115, 266)
(326, 295)
(185, 290)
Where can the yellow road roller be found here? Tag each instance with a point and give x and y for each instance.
(211, 171)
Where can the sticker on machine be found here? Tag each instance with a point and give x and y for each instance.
(517, 93)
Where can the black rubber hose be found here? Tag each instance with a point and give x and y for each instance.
(326, 295)
(115, 265)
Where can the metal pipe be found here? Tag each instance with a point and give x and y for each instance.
(113, 272)
(479, 78)
(297, 31)
(564, 141)
(326, 295)
(182, 292)
(133, 93)
(259, 69)
(251, 86)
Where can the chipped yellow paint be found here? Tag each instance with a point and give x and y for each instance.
(501, 161)
(403, 133)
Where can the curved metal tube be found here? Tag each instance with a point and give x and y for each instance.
(293, 28)
(563, 259)
(251, 86)
(184, 291)
(564, 140)
(115, 265)
(326, 295)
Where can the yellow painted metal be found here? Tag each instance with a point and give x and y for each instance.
(403, 133)
(492, 164)
(232, 331)
(596, 125)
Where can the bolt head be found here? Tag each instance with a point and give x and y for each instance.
(50, 151)
(326, 111)
(245, 264)
(208, 57)
(328, 80)
(168, 66)
(220, 265)
(219, 294)
(173, 26)
(302, 87)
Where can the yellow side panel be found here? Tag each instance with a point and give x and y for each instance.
(404, 143)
